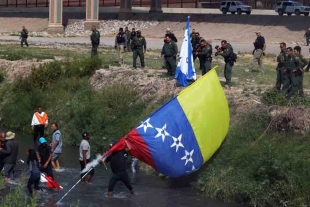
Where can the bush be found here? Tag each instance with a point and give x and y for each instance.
(271, 97)
(271, 171)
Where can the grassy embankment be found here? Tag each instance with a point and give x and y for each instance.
(272, 170)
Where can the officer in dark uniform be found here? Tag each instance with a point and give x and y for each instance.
(291, 72)
(281, 60)
(138, 47)
(205, 55)
(297, 53)
(227, 52)
(133, 34)
(95, 41)
(170, 51)
(24, 36)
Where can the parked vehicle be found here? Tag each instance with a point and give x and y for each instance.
(235, 6)
(290, 7)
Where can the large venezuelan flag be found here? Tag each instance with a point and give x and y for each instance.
(184, 133)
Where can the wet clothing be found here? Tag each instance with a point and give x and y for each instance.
(205, 55)
(290, 73)
(170, 51)
(44, 153)
(117, 162)
(38, 132)
(227, 53)
(281, 60)
(35, 174)
(307, 36)
(82, 164)
(123, 176)
(95, 41)
(138, 46)
(172, 36)
(24, 37)
(8, 170)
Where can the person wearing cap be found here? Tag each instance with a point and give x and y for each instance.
(307, 36)
(172, 36)
(170, 51)
(118, 166)
(85, 158)
(259, 51)
(138, 47)
(10, 153)
(45, 155)
(196, 44)
(120, 44)
(38, 124)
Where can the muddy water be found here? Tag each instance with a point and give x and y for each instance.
(150, 191)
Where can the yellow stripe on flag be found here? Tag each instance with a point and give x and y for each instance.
(205, 105)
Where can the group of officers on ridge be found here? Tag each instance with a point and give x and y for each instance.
(290, 67)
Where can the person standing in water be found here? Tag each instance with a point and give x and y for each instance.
(34, 168)
(85, 157)
(117, 162)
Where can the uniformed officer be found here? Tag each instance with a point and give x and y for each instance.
(297, 53)
(24, 36)
(205, 55)
(95, 41)
(307, 36)
(138, 47)
(227, 52)
(170, 51)
(291, 72)
(128, 35)
(281, 60)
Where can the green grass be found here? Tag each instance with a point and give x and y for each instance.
(272, 170)
(64, 91)
(14, 197)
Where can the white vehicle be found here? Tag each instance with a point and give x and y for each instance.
(290, 7)
(235, 6)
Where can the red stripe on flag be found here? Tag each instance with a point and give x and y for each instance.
(139, 148)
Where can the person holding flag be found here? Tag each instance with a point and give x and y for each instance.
(186, 69)
(34, 168)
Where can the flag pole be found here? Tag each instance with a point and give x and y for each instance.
(74, 185)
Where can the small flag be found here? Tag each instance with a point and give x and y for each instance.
(186, 69)
(49, 182)
(183, 134)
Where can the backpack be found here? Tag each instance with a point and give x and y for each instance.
(120, 38)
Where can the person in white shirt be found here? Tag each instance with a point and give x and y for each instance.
(38, 124)
(85, 156)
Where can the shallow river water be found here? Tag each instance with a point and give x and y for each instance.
(150, 191)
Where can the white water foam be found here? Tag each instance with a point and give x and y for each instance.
(93, 163)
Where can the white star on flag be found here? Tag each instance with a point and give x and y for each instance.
(188, 157)
(193, 170)
(177, 142)
(146, 124)
(162, 132)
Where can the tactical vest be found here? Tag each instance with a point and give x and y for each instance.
(120, 38)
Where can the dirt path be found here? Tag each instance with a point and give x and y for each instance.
(151, 42)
